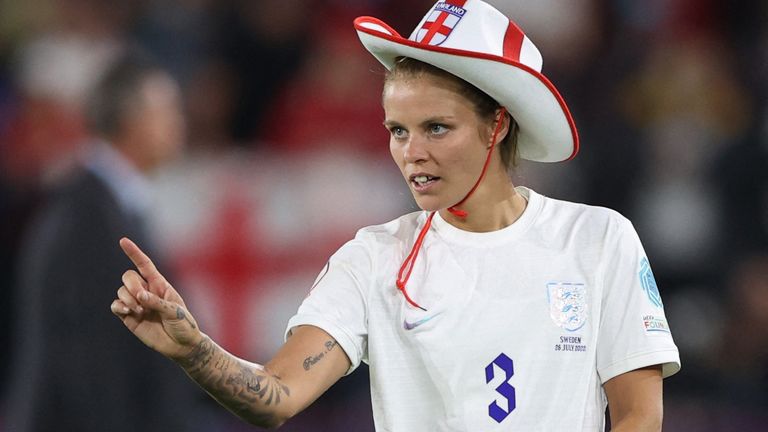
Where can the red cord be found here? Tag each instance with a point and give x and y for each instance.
(499, 122)
(410, 261)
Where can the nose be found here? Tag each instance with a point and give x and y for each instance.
(415, 150)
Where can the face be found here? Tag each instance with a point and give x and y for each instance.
(436, 139)
(158, 125)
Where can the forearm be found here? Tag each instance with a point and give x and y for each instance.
(266, 396)
(247, 389)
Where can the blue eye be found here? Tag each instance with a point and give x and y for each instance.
(437, 129)
(398, 132)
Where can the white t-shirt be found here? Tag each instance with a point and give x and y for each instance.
(523, 324)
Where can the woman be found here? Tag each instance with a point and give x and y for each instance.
(494, 309)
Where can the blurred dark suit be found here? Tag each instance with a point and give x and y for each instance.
(78, 368)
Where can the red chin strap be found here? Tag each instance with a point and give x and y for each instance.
(499, 123)
(405, 270)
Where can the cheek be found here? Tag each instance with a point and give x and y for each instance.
(466, 153)
(167, 125)
(396, 152)
(162, 134)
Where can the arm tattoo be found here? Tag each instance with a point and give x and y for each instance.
(246, 389)
(312, 360)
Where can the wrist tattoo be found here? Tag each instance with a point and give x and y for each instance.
(312, 360)
(199, 357)
(252, 386)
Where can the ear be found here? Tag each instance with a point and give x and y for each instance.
(501, 115)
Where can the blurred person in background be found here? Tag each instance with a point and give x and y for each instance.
(74, 368)
(51, 54)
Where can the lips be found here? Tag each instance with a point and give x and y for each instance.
(421, 182)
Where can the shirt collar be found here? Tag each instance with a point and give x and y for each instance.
(129, 186)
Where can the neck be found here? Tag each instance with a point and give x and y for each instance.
(489, 209)
(133, 156)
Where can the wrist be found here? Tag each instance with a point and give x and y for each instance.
(190, 353)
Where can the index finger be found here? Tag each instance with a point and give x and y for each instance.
(142, 262)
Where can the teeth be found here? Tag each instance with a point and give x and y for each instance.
(421, 179)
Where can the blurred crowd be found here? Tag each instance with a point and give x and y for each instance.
(285, 157)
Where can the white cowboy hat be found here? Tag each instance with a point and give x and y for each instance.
(474, 41)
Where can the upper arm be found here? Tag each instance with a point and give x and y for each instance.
(635, 346)
(309, 363)
(633, 329)
(635, 400)
(327, 337)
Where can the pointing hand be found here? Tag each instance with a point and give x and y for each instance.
(152, 310)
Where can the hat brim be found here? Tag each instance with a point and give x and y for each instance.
(547, 130)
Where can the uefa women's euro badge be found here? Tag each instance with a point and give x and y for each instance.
(567, 304)
(648, 281)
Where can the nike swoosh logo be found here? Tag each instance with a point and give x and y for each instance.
(411, 326)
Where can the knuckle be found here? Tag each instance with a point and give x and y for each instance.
(127, 299)
(127, 275)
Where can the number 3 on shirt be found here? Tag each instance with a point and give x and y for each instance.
(504, 389)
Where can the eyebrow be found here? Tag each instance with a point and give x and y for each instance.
(429, 121)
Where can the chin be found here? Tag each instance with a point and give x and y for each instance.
(429, 204)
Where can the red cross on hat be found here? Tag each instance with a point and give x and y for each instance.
(436, 24)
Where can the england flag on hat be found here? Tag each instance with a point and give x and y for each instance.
(439, 24)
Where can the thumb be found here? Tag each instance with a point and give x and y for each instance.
(173, 296)
(178, 324)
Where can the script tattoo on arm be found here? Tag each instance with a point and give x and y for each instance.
(248, 390)
(312, 360)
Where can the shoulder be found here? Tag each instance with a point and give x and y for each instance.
(78, 204)
(393, 232)
(584, 221)
(562, 210)
(376, 242)
(78, 188)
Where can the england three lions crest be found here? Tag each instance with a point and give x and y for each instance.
(567, 304)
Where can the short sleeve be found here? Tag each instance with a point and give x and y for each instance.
(634, 332)
(337, 302)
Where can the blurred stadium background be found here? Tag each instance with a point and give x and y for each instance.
(286, 157)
